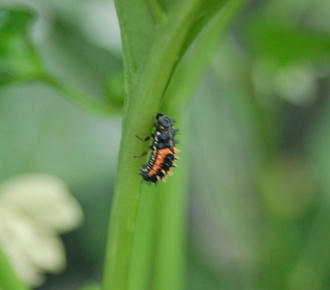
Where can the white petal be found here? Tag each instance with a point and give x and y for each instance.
(17, 254)
(45, 198)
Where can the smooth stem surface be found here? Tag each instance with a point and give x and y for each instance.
(159, 246)
(8, 278)
(190, 70)
(169, 269)
(141, 104)
(144, 242)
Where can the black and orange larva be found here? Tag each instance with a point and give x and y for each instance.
(163, 150)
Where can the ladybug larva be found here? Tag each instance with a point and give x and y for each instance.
(163, 150)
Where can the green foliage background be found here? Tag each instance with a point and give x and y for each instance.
(247, 82)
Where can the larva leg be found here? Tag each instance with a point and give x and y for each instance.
(143, 139)
(143, 154)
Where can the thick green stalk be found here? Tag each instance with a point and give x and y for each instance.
(142, 102)
(8, 278)
(169, 268)
(144, 240)
(190, 70)
(170, 253)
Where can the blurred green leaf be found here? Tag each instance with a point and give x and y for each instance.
(74, 58)
(287, 188)
(18, 58)
(15, 21)
(19, 61)
(287, 44)
(311, 270)
(90, 286)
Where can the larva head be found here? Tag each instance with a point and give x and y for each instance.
(164, 122)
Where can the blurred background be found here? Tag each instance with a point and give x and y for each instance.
(259, 196)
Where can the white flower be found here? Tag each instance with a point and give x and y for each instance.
(34, 209)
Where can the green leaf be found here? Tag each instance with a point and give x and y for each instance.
(313, 264)
(90, 286)
(15, 21)
(287, 44)
(18, 58)
(20, 61)
(94, 70)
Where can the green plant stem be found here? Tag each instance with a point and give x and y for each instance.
(172, 199)
(169, 265)
(76, 97)
(8, 278)
(145, 240)
(142, 102)
(191, 69)
(158, 250)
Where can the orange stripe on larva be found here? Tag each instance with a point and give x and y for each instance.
(161, 154)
